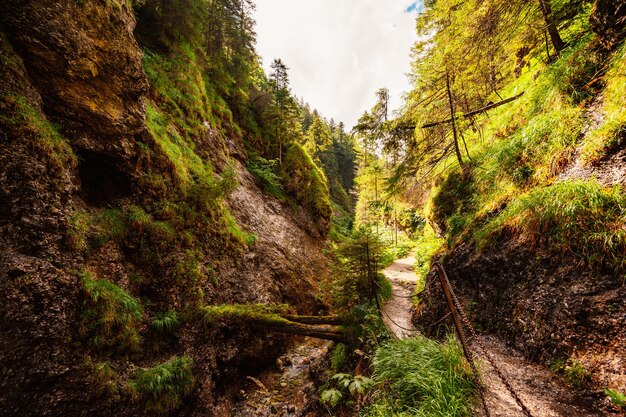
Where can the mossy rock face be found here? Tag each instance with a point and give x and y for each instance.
(307, 182)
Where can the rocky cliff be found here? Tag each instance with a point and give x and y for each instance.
(117, 224)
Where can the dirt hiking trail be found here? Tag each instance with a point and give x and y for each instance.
(541, 391)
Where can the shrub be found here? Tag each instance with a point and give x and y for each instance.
(264, 171)
(110, 315)
(163, 386)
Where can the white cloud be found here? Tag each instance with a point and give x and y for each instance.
(339, 51)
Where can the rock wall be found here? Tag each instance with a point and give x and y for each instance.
(72, 127)
(545, 306)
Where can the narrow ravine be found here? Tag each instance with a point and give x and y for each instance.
(540, 390)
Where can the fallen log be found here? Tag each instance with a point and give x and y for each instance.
(275, 318)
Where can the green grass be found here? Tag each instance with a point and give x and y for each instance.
(612, 132)
(420, 377)
(165, 322)
(580, 217)
(427, 244)
(110, 316)
(511, 184)
(77, 230)
(163, 387)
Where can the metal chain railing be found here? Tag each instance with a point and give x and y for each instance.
(469, 326)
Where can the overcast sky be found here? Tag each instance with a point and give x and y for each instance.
(340, 51)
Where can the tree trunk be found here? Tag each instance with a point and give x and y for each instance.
(336, 320)
(546, 10)
(336, 334)
(453, 120)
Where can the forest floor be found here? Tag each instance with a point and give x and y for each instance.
(540, 390)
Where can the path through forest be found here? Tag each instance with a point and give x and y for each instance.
(542, 392)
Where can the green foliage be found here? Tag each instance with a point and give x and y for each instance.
(265, 172)
(338, 358)
(576, 216)
(427, 245)
(165, 322)
(572, 370)
(357, 277)
(110, 316)
(345, 384)
(611, 134)
(163, 386)
(421, 377)
(331, 396)
(307, 183)
(106, 379)
(617, 398)
(366, 327)
(392, 250)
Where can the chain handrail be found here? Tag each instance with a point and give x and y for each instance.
(467, 323)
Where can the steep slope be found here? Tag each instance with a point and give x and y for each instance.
(534, 221)
(116, 231)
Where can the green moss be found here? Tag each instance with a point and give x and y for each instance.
(307, 182)
(236, 231)
(163, 387)
(110, 316)
(258, 313)
(25, 120)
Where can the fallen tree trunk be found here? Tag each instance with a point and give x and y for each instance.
(336, 334)
(336, 320)
(276, 319)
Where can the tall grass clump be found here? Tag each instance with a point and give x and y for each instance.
(421, 377)
(110, 316)
(165, 322)
(163, 387)
(581, 217)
